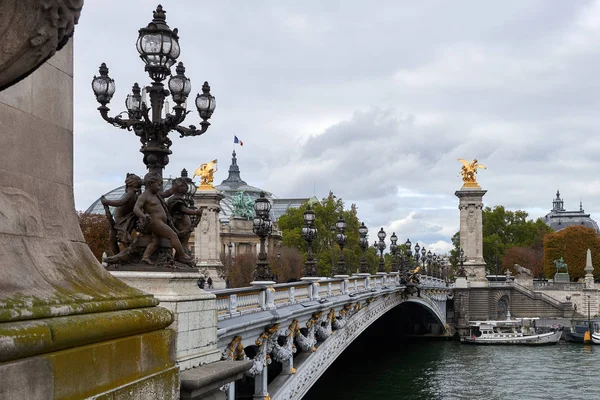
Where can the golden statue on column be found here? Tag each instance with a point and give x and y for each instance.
(468, 172)
(206, 173)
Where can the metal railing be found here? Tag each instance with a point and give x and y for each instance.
(238, 301)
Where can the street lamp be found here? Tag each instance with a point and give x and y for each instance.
(429, 261)
(364, 243)
(381, 246)
(262, 227)
(158, 47)
(394, 250)
(309, 233)
(341, 240)
(417, 254)
(461, 259)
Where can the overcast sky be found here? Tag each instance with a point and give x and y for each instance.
(372, 100)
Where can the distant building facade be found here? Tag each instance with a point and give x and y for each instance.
(559, 218)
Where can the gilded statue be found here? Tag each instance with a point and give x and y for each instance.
(206, 173)
(468, 172)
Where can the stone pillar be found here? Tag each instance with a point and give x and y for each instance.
(58, 305)
(207, 235)
(194, 310)
(471, 232)
(261, 386)
(589, 269)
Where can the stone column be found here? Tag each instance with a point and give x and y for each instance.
(58, 305)
(471, 232)
(207, 235)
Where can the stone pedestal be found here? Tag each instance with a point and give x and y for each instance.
(207, 239)
(471, 231)
(194, 310)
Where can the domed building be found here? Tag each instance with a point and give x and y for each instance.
(559, 218)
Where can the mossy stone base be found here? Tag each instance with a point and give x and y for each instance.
(134, 367)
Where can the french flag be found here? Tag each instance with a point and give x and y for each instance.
(236, 140)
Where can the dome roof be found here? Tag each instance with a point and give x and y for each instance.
(559, 218)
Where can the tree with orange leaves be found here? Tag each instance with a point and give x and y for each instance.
(571, 243)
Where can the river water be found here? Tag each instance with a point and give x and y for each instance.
(425, 369)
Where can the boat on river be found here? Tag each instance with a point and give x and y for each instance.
(596, 337)
(510, 331)
(579, 327)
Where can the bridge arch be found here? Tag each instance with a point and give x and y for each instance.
(312, 367)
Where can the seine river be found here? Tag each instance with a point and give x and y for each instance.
(386, 369)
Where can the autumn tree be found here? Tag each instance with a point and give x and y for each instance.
(95, 232)
(528, 257)
(571, 244)
(287, 264)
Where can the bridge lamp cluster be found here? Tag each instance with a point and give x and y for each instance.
(262, 227)
(341, 239)
(363, 242)
(309, 233)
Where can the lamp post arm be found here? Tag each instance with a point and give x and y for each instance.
(191, 130)
(118, 121)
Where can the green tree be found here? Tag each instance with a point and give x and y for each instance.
(325, 249)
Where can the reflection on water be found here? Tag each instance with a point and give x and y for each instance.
(387, 369)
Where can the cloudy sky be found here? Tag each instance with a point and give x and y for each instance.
(374, 101)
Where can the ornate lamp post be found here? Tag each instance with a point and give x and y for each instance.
(461, 259)
(407, 255)
(394, 250)
(262, 226)
(417, 254)
(341, 240)
(429, 261)
(309, 233)
(381, 246)
(158, 46)
(364, 243)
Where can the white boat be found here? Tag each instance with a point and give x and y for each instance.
(596, 337)
(511, 331)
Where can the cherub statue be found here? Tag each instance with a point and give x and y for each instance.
(206, 172)
(180, 211)
(124, 218)
(152, 211)
(469, 170)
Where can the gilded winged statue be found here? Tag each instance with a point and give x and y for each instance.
(468, 171)
(206, 173)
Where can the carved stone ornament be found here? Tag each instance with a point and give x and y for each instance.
(32, 31)
(471, 221)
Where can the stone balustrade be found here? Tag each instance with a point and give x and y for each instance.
(240, 301)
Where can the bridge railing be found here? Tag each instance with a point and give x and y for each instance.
(246, 300)
(558, 285)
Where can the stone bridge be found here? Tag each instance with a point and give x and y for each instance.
(293, 332)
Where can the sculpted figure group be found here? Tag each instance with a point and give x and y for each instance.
(144, 222)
